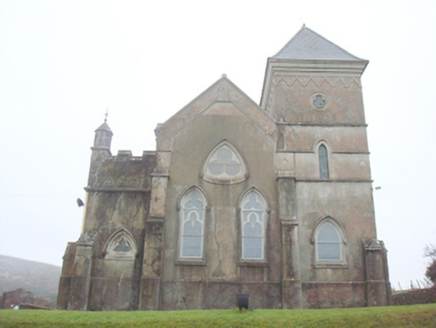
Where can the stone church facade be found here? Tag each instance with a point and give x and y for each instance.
(271, 200)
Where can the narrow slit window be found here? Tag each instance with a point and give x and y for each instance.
(323, 162)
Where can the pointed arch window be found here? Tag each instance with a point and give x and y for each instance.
(192, 214)
(121, 245)
(328, 243)
(253, 219)
(224, 165)
(323, 162)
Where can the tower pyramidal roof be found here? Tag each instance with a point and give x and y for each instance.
(308, 45)
(104, 127)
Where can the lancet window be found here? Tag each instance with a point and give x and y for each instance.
(328, 243)
(253, 219)
(192, 215)
(323, 162)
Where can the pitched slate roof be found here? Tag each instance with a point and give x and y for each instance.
(308, 45)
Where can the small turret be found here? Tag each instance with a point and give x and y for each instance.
(103, 137)
(100, 150)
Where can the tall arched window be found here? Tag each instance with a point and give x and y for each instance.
(192, 215)
(328, 243)
(253, 218)
(323, 162)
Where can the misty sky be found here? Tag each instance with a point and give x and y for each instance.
(64, 63)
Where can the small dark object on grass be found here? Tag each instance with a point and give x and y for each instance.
(242, 301)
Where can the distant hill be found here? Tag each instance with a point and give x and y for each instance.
(40, 278)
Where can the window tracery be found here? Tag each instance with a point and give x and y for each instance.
(253, 217)
(224, 165)
(121, 245)
(192, 216)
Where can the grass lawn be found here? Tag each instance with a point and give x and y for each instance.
(394, 316)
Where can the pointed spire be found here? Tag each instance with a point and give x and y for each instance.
(105, 126)
(309, 45)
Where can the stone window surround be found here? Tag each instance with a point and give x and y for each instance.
(317, 145)
(325, 98)
(342, 264)
(112, 242)
(253, 262)
(241, 262)
(253, 217)
(191, 260)
(240, 177)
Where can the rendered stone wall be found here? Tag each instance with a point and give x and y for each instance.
(215, 281)
(219, 295)
(293, 91)
(322, 295)
(118, 200)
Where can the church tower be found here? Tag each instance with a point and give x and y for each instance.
(313, 90)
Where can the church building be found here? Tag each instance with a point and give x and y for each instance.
(273, 200)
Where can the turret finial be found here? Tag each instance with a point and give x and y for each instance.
(106, 115)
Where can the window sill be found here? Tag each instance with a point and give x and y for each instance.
(253, 263)
(330, 265)
(191, 262)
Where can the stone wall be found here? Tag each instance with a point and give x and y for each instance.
(22, 296)
(417, 296)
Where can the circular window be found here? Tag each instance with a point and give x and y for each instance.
(319, 101)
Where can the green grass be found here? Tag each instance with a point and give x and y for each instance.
(398, 316)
